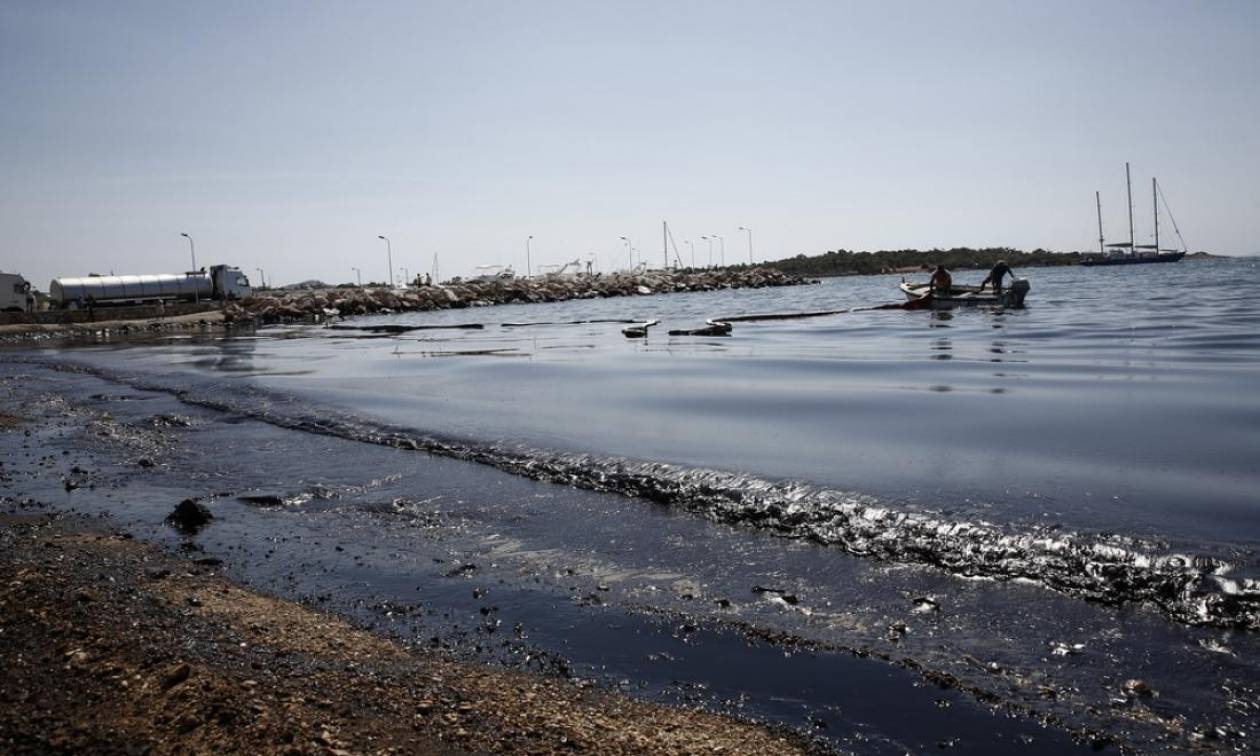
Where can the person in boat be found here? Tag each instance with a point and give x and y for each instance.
(1000, 271)
(941, 280)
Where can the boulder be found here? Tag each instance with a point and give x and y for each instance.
(189, 517)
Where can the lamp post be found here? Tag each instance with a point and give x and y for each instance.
(709, 239)
(358, 276)
(389, 253)
(528, 265)
(262, 279)
(692, 245)
(749, 232)
(192, 249)
(721, 240)
(629, 250)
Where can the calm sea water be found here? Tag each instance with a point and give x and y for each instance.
(1121, 399)
(1078, 450)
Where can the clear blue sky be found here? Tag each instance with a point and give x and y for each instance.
(287, 135)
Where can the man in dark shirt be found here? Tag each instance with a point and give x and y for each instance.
(941, 280)
(996, 275)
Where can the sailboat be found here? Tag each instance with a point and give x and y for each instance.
(1126, 253)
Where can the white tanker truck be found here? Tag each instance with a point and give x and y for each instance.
(223, 282)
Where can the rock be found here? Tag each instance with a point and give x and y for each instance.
(1138, 689)
(926, 605)
(175, 676)
(317, 305)
(1066, 649)
(189, 517)
(262, 499)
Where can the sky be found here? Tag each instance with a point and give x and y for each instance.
(288, 136)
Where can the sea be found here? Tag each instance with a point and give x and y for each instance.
(895, 530)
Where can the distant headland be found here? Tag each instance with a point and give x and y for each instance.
(844, 262)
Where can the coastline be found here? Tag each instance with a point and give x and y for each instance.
(110, 640)
(320, 304)
(109, 470)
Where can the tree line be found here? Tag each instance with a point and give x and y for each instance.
(844, 262)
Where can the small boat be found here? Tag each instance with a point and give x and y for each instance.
(1127, 253)
(920, 295)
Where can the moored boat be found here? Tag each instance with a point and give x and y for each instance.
(1127, 253)
(922, 295)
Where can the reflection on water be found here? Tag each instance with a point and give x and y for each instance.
(225, 355)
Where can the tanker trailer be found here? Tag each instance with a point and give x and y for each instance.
(223, 282)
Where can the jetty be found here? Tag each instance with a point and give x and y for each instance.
(275, 306)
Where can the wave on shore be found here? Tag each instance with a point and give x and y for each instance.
(1190, 589)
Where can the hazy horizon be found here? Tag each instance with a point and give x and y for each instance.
(287, 136)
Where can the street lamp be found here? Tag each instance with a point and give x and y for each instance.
(629, 250)
(692, 245)
(262, 279)
(192, 249)
(358, 275)
(722, 240)
(749, 231)
(528, 267)
(389, 253)
(709, 239)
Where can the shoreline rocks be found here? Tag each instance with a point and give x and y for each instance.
(319, 303)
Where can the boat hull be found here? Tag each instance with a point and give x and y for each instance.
(1162, 257)
(921, 295)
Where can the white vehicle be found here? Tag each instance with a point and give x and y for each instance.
(16, 294)
(223, 282)
(494, 273)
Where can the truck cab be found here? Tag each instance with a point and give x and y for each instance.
(16, 294)
(230, 283)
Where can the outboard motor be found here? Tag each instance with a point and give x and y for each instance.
(1019, 290)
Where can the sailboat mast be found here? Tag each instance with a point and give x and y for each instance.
(1128, 184)
(1155, 200)
(665, 243)
(1098, 201)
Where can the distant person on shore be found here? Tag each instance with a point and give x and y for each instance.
(996, 275)
(941, 280)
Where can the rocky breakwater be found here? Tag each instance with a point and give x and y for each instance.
(320, 303)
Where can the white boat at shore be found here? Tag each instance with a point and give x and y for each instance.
(921, 295)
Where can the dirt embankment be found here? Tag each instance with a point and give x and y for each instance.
(113, 646)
